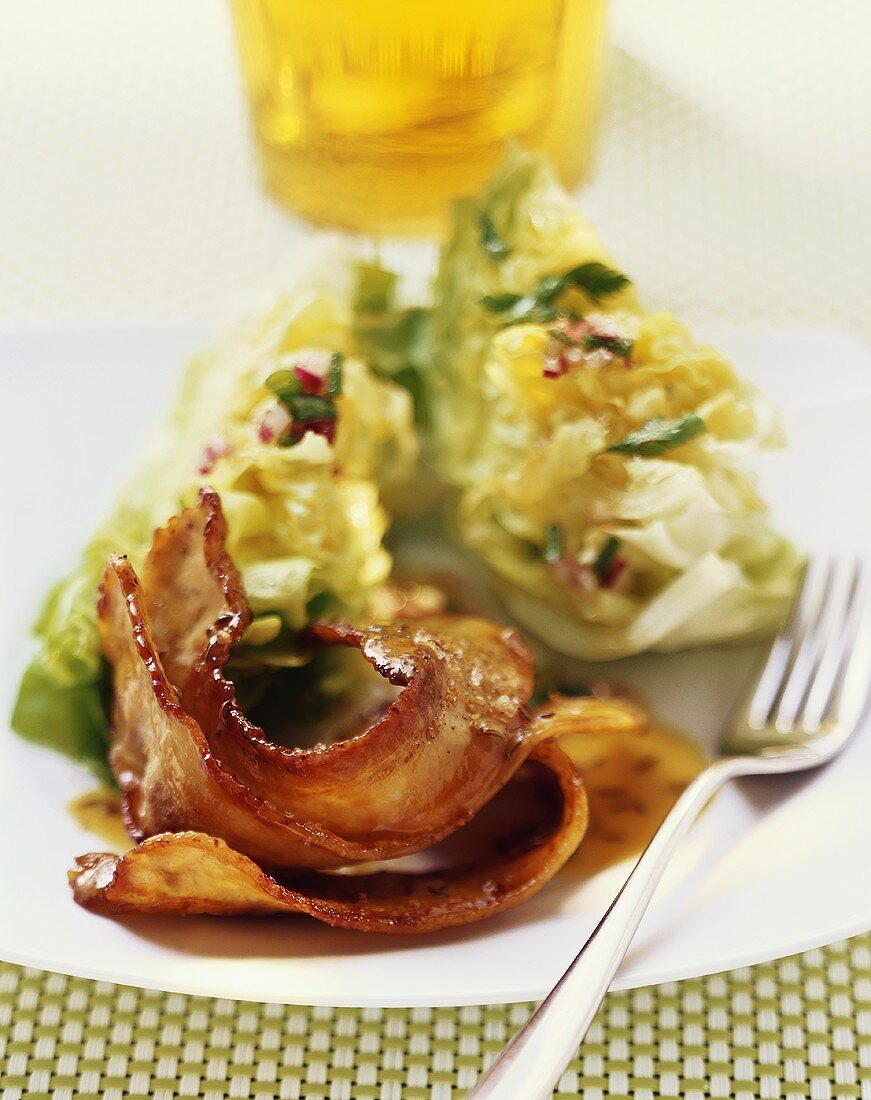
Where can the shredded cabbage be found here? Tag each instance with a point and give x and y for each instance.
(523, 418)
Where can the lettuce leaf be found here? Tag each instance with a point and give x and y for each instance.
(557, 403)
(60, 699)
(306, 523)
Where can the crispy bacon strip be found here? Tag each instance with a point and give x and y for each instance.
(589, 715)
(449, 742)
(191, 872)
(226, 808)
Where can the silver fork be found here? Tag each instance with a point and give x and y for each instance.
(799, 713)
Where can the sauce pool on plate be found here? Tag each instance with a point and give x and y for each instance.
(632, 782)
(99, 812)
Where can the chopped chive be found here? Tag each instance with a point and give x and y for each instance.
(334, 377)
(491, 241)
(617, 345)
(540, 305)
(549, 287)
(500, 303)
(603, 563)
(305, 407)
(553, 545)
(563, 337)
(597, 280)
(284, 384)
(660, 435)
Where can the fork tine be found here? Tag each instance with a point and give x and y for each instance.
(780, 657)
(849, 697)
(844, 618)
(809, 646)
(804, 613)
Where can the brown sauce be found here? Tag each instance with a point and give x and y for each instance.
(99, 812)
(632, 781)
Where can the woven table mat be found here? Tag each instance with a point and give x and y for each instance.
(732, 181)
(796, 1028)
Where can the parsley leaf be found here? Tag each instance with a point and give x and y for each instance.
(660, 435)
(491, 241)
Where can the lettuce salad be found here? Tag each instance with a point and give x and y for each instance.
(302, 441)
(596, 449)
(588, 452)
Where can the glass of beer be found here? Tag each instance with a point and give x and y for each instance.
(372, 114)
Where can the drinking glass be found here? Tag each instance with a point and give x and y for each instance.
(372, 114)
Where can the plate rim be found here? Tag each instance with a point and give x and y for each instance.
(192, 989)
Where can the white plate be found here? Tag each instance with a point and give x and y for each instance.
(773, 867)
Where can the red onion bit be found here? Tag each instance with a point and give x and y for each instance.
(579, 578)
(582, 580)
(311, 383)
(564, 349)
(586, 341)
(274, 422)
(218, 448)
(616, 571)
(324, 426)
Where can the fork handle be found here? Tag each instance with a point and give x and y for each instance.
(532, 1063)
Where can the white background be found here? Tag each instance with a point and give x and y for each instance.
(733, 178)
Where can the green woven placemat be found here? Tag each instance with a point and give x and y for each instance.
(733, 172)
(795, 1028)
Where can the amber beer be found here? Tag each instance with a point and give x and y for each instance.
(372, 114)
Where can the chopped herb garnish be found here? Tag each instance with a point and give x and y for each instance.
(501, 303)
(553, 545)
(334, 375)
(309, 380)
(310, 400)
(660, 435)
(284, 384)
(562, 337)
(617, 345)
(375, 288)
(519, 309)
(550, 286)
(491, 241)
(597, 280)
(309, 406)
(605, 561)
(540, 304)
